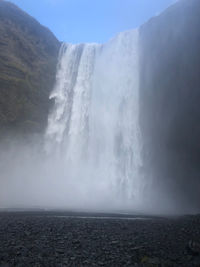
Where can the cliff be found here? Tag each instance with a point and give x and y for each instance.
(28, 55)
(169, 98)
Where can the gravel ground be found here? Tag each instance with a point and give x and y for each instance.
(54, 239)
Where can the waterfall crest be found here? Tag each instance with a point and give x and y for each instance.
(93, 130)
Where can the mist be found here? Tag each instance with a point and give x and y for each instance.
(91, 156)
(122, 134)
(32, 180)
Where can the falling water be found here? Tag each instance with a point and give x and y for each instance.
(93, 130)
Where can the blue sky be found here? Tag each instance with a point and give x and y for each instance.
(78, 21)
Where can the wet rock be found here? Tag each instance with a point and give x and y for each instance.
(114, 242)
(93, 242)
(193, 247)
(155, 261)
(196, 261)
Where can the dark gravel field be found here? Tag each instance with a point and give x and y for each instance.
(67, 239)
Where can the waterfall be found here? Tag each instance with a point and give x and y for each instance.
(93, 129)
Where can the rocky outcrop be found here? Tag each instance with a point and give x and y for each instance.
(28, 55)
(170, 99)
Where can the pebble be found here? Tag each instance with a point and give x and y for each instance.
(29, 240)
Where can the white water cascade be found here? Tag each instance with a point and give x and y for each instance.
(93, 130)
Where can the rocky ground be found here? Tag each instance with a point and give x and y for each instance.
(51, 239)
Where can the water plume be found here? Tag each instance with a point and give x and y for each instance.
(93, 128)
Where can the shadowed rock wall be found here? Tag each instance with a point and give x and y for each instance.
(170, 100)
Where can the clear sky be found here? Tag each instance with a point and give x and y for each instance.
(78, 21)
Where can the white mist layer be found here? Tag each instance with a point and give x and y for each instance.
(91, 155)
(93, 132)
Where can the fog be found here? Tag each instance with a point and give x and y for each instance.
(92, 155)
(31, 180)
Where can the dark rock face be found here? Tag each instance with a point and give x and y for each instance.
(170, 99)
(28, 55)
